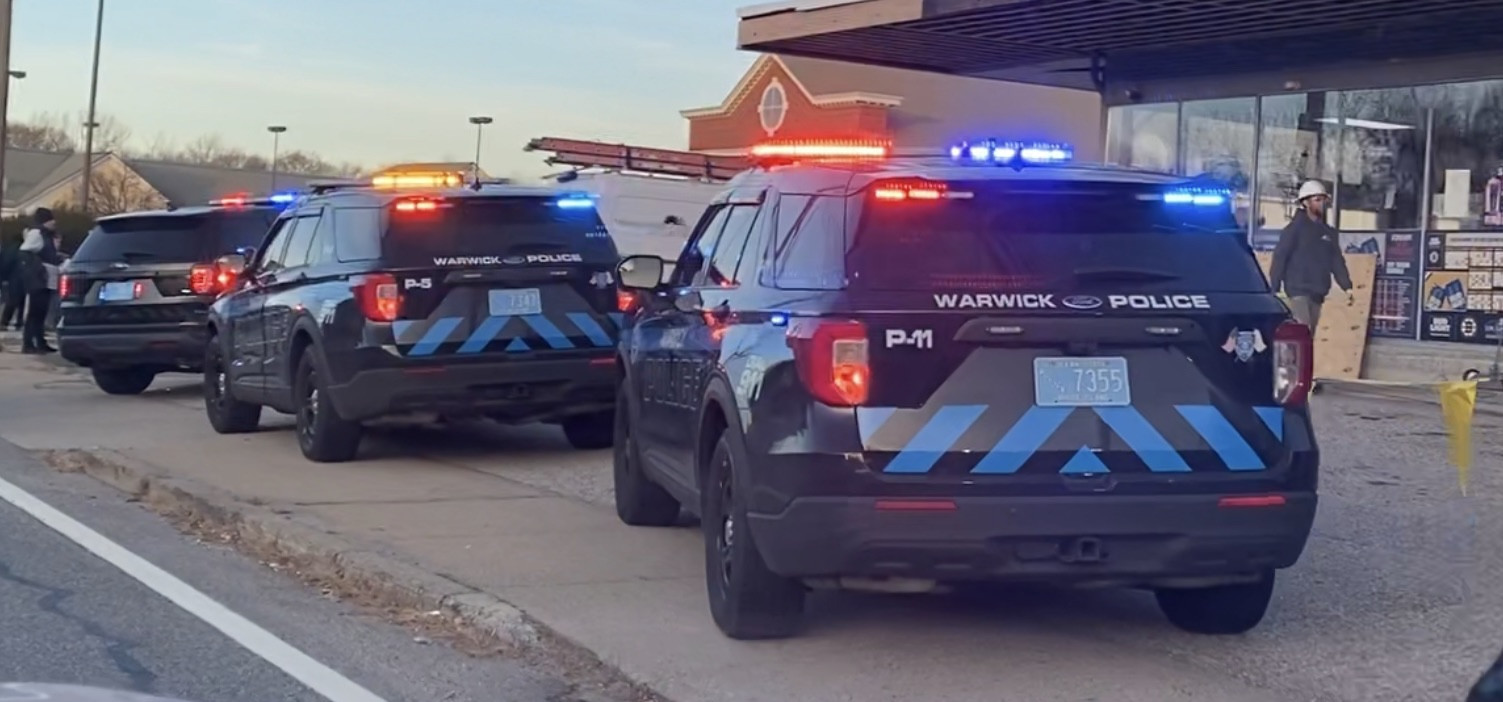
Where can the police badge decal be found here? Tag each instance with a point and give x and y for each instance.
(1244, 344)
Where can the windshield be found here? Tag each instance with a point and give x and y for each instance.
(174, 238)
(481, 231)
(1061, 236)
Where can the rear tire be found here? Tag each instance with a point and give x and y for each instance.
(639, 501)
(747, 600)
(1225, 609)
(124, 381)
(226, 414)
(590, 432)
(322, 435)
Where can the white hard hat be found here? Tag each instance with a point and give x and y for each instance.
(1311, 188)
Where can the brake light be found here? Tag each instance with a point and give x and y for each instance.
(832, 360)
(64, 286)
(627, 301)
(209, 279)
(417, 204)
(897, 190)
(379, 298)
(1252, 502)
(1293, 364)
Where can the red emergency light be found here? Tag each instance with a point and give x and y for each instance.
(788, 151)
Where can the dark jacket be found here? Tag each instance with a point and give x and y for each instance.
(33, 272)
(1490, 687)
(1307, 257)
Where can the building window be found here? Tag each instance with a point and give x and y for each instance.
(1297, 142)
(774, 107)
(1143, 136)
(1466, 176)
(1217, 138)
(1382, 159)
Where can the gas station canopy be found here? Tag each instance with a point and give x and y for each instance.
(1090, 43)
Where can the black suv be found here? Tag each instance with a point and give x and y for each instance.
(896, 375)
(136, 295)
(370, 303)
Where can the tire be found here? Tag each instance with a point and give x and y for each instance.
(639, 501)
(747, 600)
(226, 414)
(1225, 609)
(322, 435)
(124, 381)
(590, 432)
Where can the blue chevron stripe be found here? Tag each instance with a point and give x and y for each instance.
(1224, 438)
(400, 330)
(435, 336)
(517, 346)
(934, 439)
(1084, 462)
(870, 419)
(484, 334)
(550, 333)
(1022, 440)
(1143, 439)
(1273, 417)
(591, 329)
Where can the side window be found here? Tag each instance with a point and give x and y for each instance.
(700, 246)
(300, 241)
(322, 248)
(813, 256)
(790, 209)
(727, 254)
(357, 233)
(270, 257)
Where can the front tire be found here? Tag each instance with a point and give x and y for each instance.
(747, 600)
(590, 432)
(322, 435)
(124, 381)
(226, 414)
(1224, 609)
(639, 501)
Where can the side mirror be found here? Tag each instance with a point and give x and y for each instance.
(234, 263)
(640, 272)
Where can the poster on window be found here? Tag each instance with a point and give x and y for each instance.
(1395, 296)
(1462, 290)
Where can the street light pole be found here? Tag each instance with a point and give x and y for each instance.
(90, 124)
(276, 142)
(5, 87)
(479, 121)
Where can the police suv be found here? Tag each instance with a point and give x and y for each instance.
(417, 297)
(899, 374)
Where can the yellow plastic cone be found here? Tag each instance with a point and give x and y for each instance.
(1457, 403)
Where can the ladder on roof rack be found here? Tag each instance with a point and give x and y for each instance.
(601, 154)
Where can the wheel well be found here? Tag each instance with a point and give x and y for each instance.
(213, 330)
(301, 340)
(711, 426)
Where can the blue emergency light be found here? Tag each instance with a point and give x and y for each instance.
(1009, 152)
(1206, 197)
(576, 202)
(284, 198)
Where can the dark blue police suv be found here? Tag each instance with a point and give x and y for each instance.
(900, 374)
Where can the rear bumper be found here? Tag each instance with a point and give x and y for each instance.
(179, 347)
(522, 391)
(1138, 540)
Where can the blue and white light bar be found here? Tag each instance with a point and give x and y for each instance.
(576, 201)
(1205, 197)
(1008, 152)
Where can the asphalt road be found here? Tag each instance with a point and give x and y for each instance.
(67, 616)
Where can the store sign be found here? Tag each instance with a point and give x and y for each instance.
(1395, 297)
(1462, 290)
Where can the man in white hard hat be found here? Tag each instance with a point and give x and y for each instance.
(1308, 256)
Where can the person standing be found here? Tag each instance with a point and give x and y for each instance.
(1308, 256)
(40, 273)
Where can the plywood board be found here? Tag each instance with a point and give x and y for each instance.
(1342, 337)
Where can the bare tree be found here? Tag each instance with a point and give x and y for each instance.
(110, 135)
(208, 150)
(116, 190)
(42, 137)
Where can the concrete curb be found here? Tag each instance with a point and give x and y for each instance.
(1489, 403)
(313, 550)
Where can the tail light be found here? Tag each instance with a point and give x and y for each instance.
(832, 360)
(64, 286)
(627, 301)
(379, 298)
(911, 189)
(418, 204)
(1293, 364)
(210, 279)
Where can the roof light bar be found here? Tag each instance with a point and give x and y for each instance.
(417, 180)
(822, 149)
(1010, 152)
(1205, 197)
(575, 202)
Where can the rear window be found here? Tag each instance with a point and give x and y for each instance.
(1056, 236)
(476, 231)
(174, 238)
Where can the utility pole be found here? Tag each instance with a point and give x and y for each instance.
(91, 124)
(5, 6)
(276, 142)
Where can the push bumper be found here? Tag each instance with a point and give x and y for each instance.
(534, 390)
(178, 347)
(1123, 540)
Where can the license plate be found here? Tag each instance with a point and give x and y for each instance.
(117, 291)
(1081, 382)
(509, 303)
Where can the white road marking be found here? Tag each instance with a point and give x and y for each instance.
(303, 668)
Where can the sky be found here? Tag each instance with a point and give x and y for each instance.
(382, 81)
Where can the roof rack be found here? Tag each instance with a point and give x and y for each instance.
(601, 154)
(319, 187)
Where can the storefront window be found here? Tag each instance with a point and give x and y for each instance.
(1466, 176)
(1216, 141)
(1382, 137)
(1143, 136)
(1298, 143)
